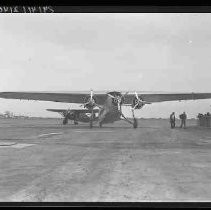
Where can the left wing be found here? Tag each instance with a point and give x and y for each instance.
(161, 97)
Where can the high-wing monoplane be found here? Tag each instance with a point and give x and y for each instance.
(109, 103)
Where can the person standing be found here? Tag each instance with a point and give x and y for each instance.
(183, 118)
(172, 120)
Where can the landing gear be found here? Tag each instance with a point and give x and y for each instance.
(135, 123)
(65, 121)
(90, 103)
(91, 119)
(90, 124)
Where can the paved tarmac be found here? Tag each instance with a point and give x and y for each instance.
(42, 160)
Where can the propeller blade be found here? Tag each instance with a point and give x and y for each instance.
(145, 102)
(135, 106)
(91, 94)
(110, 95)
(137, 96)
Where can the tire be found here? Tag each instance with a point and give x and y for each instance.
(135, 123)
(65, 121)
(100, 124)
(90, 124)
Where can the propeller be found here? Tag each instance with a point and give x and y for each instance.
(117, 99)
(91, 103)
(139, 102)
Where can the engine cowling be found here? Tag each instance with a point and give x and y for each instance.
(137, 103)
(68, 113)
(117, 98)
(90, 102)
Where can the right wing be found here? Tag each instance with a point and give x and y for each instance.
(155, 97)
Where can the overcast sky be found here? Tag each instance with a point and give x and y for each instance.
(143, 52)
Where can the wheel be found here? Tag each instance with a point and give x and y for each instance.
(100, 124)
(75, 123)
(90, 124)
(135, 123)
(65, 121)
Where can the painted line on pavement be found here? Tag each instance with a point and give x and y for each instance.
(20, 146)
(49, 134)
(167, 152)
(88, 131)
(16, 146)
(4, 143)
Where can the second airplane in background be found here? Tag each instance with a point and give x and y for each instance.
(76, 115)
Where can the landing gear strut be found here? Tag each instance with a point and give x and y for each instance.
(75, 123)
(90, 103)
(118, 100)
(91, 119)
(135, 122)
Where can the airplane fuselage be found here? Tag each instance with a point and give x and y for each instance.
(109, 113)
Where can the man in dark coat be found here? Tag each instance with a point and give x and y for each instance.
(183, 118)
(172, 120)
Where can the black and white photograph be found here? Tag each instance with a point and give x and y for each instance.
(105, 107)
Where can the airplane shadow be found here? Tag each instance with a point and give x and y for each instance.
(111, 127)
(75, 127)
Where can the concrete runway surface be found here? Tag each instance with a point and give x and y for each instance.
(42, 160)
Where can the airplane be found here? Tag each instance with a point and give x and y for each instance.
(109, 103)
(76, 115)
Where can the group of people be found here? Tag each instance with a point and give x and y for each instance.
(182, 117)
(204, 115)
(204, 119)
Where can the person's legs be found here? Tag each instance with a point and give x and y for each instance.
(184, 123)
